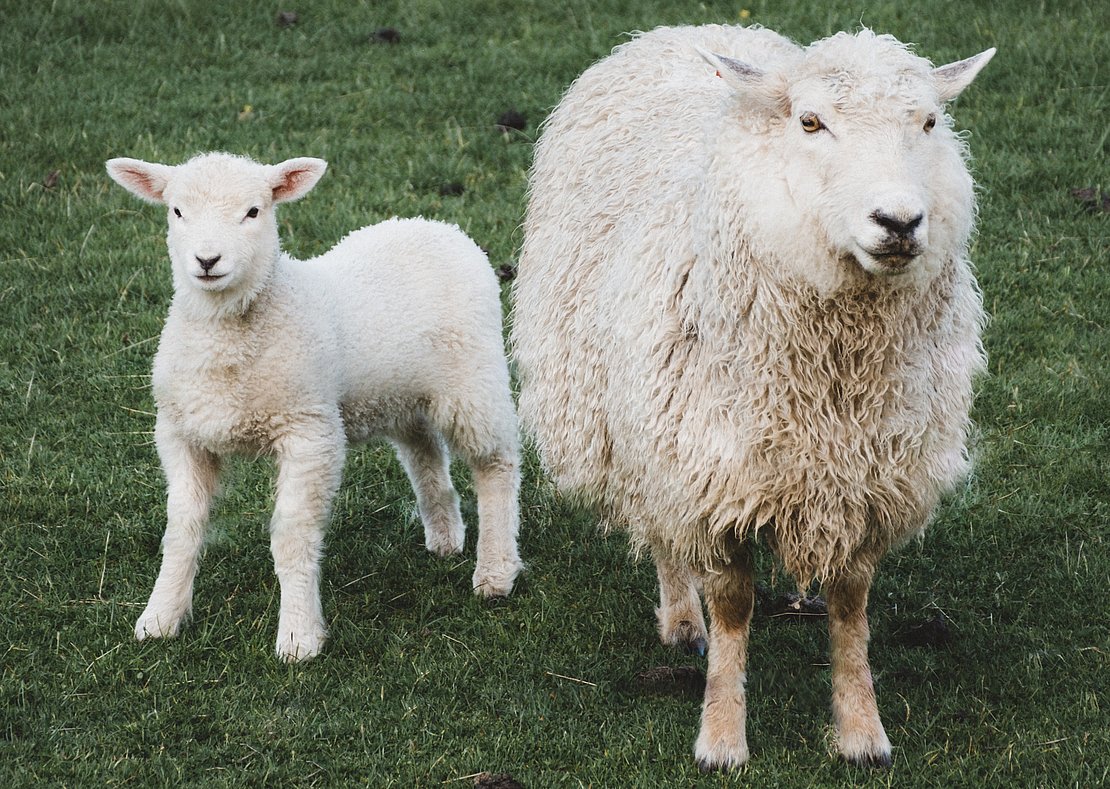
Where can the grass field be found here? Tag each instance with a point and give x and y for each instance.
(421, 684)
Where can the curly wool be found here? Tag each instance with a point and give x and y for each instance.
(696, 356)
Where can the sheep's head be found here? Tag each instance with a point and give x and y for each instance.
(222, 237)
(868, 155)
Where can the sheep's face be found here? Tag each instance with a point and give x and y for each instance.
(872, 173)
(869, 159)
(222, 235)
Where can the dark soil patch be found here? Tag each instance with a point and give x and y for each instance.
(496, 781)
(672, 681)
(512, 120)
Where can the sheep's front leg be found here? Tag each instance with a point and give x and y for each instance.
(309, 472)
(679, 613)
(860, 733)
(729, 594)
(191, 480)
(424, 455)
(497, 486)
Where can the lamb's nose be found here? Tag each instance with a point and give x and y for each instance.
(896, 225)
(208, 263)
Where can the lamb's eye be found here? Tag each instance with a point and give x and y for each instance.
(811, 123)
(177, 212)
(930, 122)
(252, 213)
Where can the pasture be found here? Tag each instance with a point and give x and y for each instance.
(990, 638)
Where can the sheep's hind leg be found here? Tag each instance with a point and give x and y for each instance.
(497, 485)
(679, 614)
(729, 593)
(860, 733)
(309, 472)
(191, 480)
(423, 453)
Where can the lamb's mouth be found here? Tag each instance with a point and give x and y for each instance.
(210, 277)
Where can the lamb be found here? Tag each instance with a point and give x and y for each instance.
(395, 332)
(744, 308)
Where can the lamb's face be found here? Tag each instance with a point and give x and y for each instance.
(222, 232)
(222, 235)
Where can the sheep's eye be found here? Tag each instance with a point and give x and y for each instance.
(930, 122)
(177, 212)
(811, 123)
(252, 213)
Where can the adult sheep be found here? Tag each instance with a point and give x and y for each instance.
(744, 309)
(395, 332)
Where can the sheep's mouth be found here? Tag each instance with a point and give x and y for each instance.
(893, 262)
(210, 277)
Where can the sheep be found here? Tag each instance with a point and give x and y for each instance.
(744, 309)
(395, 332)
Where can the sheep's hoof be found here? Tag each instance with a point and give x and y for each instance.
(869, 749)
(871, 761)
(708, 767)
(687, 635)
(721, 758)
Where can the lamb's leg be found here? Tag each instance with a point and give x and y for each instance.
(497, 486)
(679, 613)
(424, 455)
(729, 594)
(860, 733)
(191, 479)
(309, 472)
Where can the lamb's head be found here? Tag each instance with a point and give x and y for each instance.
(868, 158)
(222, 236)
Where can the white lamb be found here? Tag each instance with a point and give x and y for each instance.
(744, 308)
(395, 332)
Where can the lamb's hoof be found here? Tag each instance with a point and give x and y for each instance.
(153, 625)
(496, 582)
(293, 648)
(444, 542)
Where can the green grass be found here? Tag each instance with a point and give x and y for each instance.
(421, 683)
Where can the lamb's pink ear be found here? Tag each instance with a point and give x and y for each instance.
(954, 77)
(142, 179)
(292, 179)
(744, 78)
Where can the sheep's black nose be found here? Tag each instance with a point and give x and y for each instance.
(903, 228)
(208, 263)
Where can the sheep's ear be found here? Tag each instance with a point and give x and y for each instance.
(749, 81)
(954, 77)
(143, 179)
(293, 179)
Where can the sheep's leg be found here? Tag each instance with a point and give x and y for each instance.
(424, 455)
(191, 480)
(729, 594)
(497, 486)
(860, 733)
(309, 472)
(679, 613)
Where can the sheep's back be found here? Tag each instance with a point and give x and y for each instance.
(609, 232)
